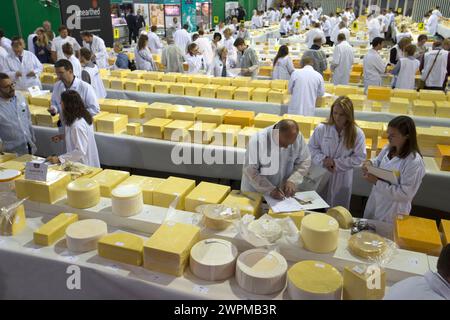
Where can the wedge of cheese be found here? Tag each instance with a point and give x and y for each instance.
(206, 193)
(53, 230)
(173, 187)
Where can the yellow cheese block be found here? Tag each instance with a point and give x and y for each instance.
(147, 86)
(280, 96)
(247, 202)
(296, 216)
(209, 91)
(109, 179)
(244, 135)
(319, 233)
(157, 76)
(202, 132)
(243, 93)
(212, 115)
(162, 87)
(55, 229)
(184, 78)
(264, 120)
(399, 105)
(343, 90)
(443, 157)
(225, 135)
(405, 93)
(149, 187)
(133, 85)
(444, 227)
(377, 106)
(41, 100)
(201, 79)
(108, 105)
(329, 88)
(442, 109)
(260, 94)
(260, 83)
(159, 110)
(423, 108)
(417, 234)
(106, 82)
(136, 74)
(279, 84)
(429, 138)
(49, 78)
(225, 92)
(371, 129)
(112, 123)
(170, 77)
(177, 88)
(49, 67)
(206, 193)
(358, 101)
(47, 192)
(18, 163)
(44, 119)
(134, 129)
(170, 189)
(193, 89)
(355, 77)
(133, 109)
(177, 130)
(241, 81)
(220, 81)
(14, 225)
(357, 68)
(306, 124)
(123, 247)
(154, 128)
(83, 193)
(172, 256)
(7, 157)
(99, 115)
(118, 84)
(239, 117)
(432, 95)
(119, 73)
(363, 283)
(183, 112)
(379, 93)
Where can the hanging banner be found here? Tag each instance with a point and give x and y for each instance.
(188, 14)
(88, 15)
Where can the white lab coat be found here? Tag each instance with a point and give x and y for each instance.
(217, 67)
(80, 144)
(286, 11)
(432, 24)
(285, 26)
(256, 22)
(386, 200)
(98, 48)
(305, 86)
(326, 142)
(144, 59)
(29, 63)
(291, 163)
(342, 63)
(336, 31)
(406, 78)
(432, 286)
(374, 67)
(76, 65)
(3, 54)
(313, 34)
(305, 22)
(326, 26)
(30, 43)
(283, 69)
(58, 42)
(154, 43)
(204, 47)
(439, 71)
(374, 29)
(182, 38)
(402, 35)
(96, 81)
(196, 63)
(232, 51)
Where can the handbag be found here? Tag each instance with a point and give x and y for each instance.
(422, 83)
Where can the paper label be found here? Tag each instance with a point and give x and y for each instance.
(358, 269)
(34, 91)
(120, 244)
(320, 265)
(200, 289)
(36, 170)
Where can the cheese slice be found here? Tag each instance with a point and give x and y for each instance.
(319, 233)
(127, 200)
(247, 202)
(367, 245)
(264, 120)
(82, 236)
(267, 229)
(444, 227)
(109, 179)
(225, 135)
(170, 189)
(123, 247)
(261, 271)
(134, 129)
(342, 215)
(112, 123)
(213, 259)
(244, 136)
(55, 229)
(206, 193)
(177, 130)
(83, 193)
(171, 256)
(314, 280)
(359, 285)
(417, 234)
(16, 224)
(154, 128)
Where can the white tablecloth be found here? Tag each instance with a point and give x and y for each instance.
(443, 31)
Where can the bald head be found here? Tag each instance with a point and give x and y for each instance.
(288, 132)
(307, 61)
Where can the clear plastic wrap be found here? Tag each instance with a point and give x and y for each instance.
(76, 169)
(218, 216)
(174, 217)
(9, 209)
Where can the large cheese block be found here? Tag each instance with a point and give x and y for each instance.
(358, 101)
(51, 191)
(329, 88)
(261, 271)
(359, 285)
(243, 93)
(83, 193)
(221, 81)
(134, 129)
(44, 119)
(154, 128)
(430, 138)
(122, 247)
(159, 110)
(225, 92)
(371, 130)
(49, 78)
(193, 89)
(225, 135)
(108, 105)
(296, 216)
(184, 78)
(136, 74)
(213, 259)
(7, 157)
(109, 179)
(170, 189)
(149, 187)
(305, 124)
(264, 120)
(444, 227)
(170, 77)
(82, 236)
(209, 91)
(206, 193)
(162, 87)
(367, 245)
(342, 216)
(42, 100)
(260, 94)
(177, 130)
(279, 96)
(177, 88)
(241, 82)
(379, 93)
(171, 256)
(343, 90)
(432, 95)
(106, 82)
(247, 202)
(133, 85)
(119, 73)
(399, 105)
(442, 109)
(314, 280)
(152, 75)
(240, 118)
(279, 84)
(319, 233)
(15, 222)
(424, 108)
(417, 234)
(147, 86)
(212, 115)
(202, 132)
(244, 136)
(443, 157)
(133, 109)
(188, 113)
(260, 83)
(112, 123)
(55, 229)
(99, 115)
(405, 93)
(118, 84)
(201, 79)
(127, 200)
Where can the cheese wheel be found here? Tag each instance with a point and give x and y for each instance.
(127, 200)
(261, 271)
(218, 216)
(367, 245)
(83, 193)
(7, 175)
(314, 280)
(319, 233)
(213, 259)
(267, 229)
(342, 215)
(82, 236)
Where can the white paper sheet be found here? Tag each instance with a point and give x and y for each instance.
(310, 200)
(386, 175)
(285, 205)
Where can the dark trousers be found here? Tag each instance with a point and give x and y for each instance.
(329, 42)
(132, 35)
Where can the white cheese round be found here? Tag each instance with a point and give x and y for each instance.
(319, 233)
(83, 193)
(267, 229)
(218, 216)
(127, 200)
(342, 215)
(82, 236)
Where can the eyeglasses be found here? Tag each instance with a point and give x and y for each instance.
(12, 85)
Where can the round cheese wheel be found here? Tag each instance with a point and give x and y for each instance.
(261, 271)
(127, 200)
(367, 245)
(319, 232)
(7, 175)
(82, 236)
(267, 229)
(342, 215)
(83, 193)
(314, 280)
(213, 259)
(218, 216)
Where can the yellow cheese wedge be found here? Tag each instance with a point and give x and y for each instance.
(47, 192)
(177, 130)
(109, 179)
(155, 128)
(342, 215)
(319, 233)
(212, 115)
(225, 135)
(244, 136)
(55, 229)
(15, 225)
(83, 193)
(247, 202)
(170, 189)
(264, 120)
(206, 193)
(112, 123)
(367, 245)
(123, 247)
(363, 283)
(202, 132)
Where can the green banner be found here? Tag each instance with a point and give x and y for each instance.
(188, 14)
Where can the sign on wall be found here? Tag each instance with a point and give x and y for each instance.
(88, 15)
(188, 14)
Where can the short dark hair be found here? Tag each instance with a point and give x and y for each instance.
(62, 27)
(64, 63)
(217, 34)
(377, 41)
(74, 108)
(287, 125)
(238, 42)
(443, 264)
(201, 32)
(422, 37)
(407, 128)
(153, 28)
(185, 26)
(17, 39)
(86, 54)
(67, 48)
(3, 76)
(86, 34)
(341, 37)
(195, 36)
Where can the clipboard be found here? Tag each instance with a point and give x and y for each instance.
(390, 176)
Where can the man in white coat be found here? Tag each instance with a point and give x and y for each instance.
(285, 26)
(340, 28)
(342, 61)
(374, 28)
(432, 24)
(182, 38)
(58, 42)
(22, 66)
(276, 160)
(315, 33)
(373, 65)
(305, 86)
(431, 286)
(435, 66)
(154, 42)
(97, 47)
(205, 48)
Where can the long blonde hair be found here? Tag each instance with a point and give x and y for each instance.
(350, 129)
(45, 41)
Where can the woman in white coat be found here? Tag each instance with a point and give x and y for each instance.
(282, 64)
(195, 60)
(91, 74)
(222, 65)
(405, 70)
(143, 56)
(401, 155)
(79, 132)
(338, 146)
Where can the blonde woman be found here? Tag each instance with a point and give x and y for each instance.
(143, 56)
(222, 65)
(338, 146)
(42, 46)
